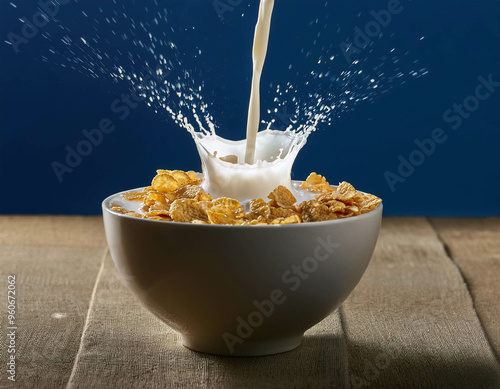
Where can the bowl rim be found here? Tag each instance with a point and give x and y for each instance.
(107, 202)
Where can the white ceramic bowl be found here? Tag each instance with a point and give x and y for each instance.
(241, 290)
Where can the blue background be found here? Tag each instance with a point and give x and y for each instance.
(45, 107)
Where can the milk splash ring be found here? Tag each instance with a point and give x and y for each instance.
(275, 154)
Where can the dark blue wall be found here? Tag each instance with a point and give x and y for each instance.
(45, 107)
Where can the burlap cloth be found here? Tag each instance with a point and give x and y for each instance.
(425, 315)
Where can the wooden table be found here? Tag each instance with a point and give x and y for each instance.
(425, 315)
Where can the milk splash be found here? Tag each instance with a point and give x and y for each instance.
(275, 152)
(268, 156)
(138, 44)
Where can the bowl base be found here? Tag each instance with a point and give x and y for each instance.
(246, 349)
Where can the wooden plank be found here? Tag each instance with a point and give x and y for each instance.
(470, 238)
(60, 231)
(126, 346)
(474, 245)
(411, 322)
(53, 289)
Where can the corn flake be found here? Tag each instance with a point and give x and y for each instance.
(316, 183)
(165, 183)
(181, 177)
(345, 192)
(314, 211)
(187, 210)
(282, 197)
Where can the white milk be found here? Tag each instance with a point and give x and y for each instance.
(275, 154)
(259, 51)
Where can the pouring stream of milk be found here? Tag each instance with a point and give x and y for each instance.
(260, 41)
